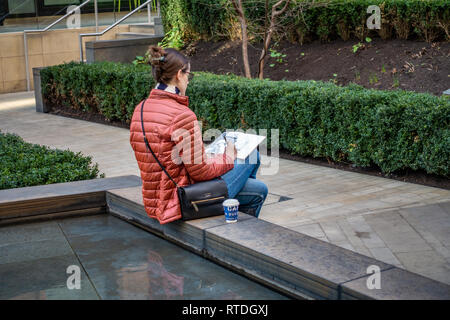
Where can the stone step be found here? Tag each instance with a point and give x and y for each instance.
(142, 28)
(133, 35)
(154, 27)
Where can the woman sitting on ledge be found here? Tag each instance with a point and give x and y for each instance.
(175, 137)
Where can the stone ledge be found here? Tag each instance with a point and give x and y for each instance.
(295, 264)
(68, 188)
(127, 204)
(59, 199)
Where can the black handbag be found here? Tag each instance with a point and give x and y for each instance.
(198, 200)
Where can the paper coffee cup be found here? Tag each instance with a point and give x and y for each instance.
(230, 208)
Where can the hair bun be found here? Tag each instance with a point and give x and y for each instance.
(157, 55)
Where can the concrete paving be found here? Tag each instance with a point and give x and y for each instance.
(403, 224)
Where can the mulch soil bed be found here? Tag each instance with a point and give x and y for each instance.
(380, 64)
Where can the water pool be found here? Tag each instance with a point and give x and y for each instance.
(116, 261)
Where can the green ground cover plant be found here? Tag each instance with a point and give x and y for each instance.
(24, 164)
(393, 130)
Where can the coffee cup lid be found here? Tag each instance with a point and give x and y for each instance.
(231, 202)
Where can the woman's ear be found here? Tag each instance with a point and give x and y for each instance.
(179, 75)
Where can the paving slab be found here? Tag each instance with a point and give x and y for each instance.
(29, 233)
(299, 259)
(428, 263)
(29, 251)
(313, 230)
(385, 254)
(431, 219)
(396, 284)
(333, 231)
(397, 233)
(43, 279)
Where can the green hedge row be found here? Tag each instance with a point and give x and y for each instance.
(110, 89)
(329, 19)
(392, 129)
(24, 164)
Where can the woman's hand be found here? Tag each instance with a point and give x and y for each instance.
(231, 150)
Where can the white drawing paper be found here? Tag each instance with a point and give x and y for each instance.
(245, 143)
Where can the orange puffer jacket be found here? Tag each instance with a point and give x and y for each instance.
(172, 131)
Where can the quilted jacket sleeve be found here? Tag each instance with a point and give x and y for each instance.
(186, 133)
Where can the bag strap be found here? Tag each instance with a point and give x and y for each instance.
(148, 145)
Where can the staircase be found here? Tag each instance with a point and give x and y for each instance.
(126, 45)
(143, 30)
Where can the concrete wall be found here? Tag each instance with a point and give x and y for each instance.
(44, 49)
(119, 50)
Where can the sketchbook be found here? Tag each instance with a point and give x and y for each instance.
(245, 143)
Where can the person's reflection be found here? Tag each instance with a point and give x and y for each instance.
(231, 295)
(149, 280)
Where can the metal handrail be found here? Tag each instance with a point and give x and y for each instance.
(81, 35)
(43, 30)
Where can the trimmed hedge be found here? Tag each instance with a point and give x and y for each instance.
(215, 19)
(108, 88)
(392, 129)
(24, 164)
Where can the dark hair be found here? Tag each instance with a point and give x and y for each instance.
(166, 63)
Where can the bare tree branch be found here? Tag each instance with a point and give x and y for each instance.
(275, 6)
(268, 34)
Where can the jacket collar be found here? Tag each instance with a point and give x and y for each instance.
(165, 87)
(162, 94)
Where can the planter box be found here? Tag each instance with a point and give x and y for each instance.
(119, 50)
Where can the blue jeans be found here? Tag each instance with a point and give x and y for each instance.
(242, 184)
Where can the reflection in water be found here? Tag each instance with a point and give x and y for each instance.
(117, 264)
(230, 295)
(37, 295)
(150, 279)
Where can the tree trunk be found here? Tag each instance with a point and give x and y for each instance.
(240, 11)
(264, 53)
